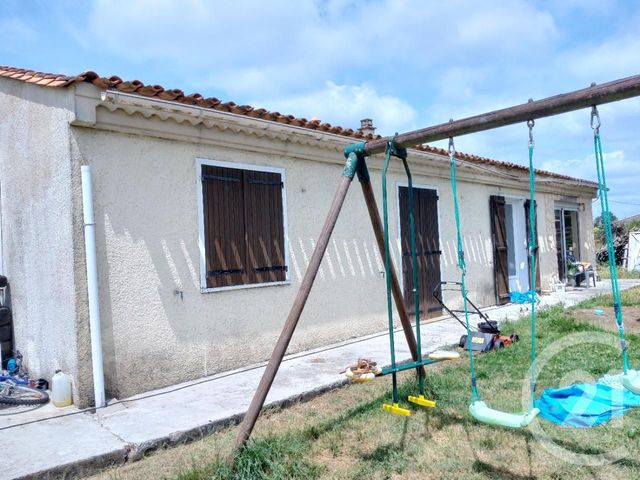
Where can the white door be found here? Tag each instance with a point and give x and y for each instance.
(516, 245)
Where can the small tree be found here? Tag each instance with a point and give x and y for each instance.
(598, 220)
(598, 235)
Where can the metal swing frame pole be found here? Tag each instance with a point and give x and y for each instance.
(567, 102)
(594, 95)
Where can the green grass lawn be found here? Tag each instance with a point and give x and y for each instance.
(345, 433)
(603, 271)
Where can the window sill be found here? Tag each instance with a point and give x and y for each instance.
(243, 287)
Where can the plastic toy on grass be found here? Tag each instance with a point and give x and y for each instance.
(364, 370)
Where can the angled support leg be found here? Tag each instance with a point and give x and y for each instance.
(249, 420)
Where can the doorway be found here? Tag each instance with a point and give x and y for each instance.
(425, 210)
(567, 238)
(517, 255)
(509, 235)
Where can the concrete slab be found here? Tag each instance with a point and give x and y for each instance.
(188, 411)
(58, 448)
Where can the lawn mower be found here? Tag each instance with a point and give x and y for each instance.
(486, 335)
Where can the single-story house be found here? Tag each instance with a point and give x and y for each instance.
(206, 214)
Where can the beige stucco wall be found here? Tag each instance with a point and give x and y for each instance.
(39, 231)
(147, 231)
(145, 187)
(147, 228)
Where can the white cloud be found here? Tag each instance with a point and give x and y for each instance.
(621, 179)
(346, 105)
(404, 63)
(615, 165)
(611, 58)
(281, 46)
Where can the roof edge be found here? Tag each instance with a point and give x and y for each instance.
(138, 88)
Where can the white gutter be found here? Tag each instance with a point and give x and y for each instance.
(92, 286)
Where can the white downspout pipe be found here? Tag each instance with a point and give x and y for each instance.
(92, 286)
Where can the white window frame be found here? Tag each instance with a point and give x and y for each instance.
(569, 207)
(201, 235)
(520, 198)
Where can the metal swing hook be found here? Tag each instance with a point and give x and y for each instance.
(452, 148)
(595, 120)
(531, 124)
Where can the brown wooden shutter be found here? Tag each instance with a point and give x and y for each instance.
(499, 240)
(427, 249)
(223, 202)
(430, 239)
(264, 227)
(527, 203)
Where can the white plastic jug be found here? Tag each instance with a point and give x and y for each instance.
(61, 389)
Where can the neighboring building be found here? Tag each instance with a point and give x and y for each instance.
(632, 219)
(198, 203)
(632, 258)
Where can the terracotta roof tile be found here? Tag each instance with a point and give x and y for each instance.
(150, 90)
(169, 94)
(57, 83)
(175, 95)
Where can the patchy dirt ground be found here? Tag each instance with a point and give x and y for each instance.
(631, 317)
(344, 434)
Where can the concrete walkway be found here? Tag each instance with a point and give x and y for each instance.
(79, 444)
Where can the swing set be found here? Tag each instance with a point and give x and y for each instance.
(396, 146)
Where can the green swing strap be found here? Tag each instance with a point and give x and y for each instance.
(532, 258)
(402, 154)
(475, 396)
(387, 267)
(393, 150)
(630, 379)
(479, 409)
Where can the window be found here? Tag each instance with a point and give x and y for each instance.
(511, 247)
(242, 225)
(567, 238)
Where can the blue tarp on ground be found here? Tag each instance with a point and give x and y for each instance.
(585, 405)
(523, 297)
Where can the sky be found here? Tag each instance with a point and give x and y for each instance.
(406, 64)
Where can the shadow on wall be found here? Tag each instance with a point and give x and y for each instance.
(164, 335)
(158, 326)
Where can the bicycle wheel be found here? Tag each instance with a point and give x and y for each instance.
(22, 395)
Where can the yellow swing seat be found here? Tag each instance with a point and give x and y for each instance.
(396, 409)
(422, 401)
